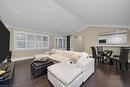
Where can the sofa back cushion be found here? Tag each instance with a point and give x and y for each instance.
(53, 51)
(59, 52)
(40, 56)
(71, 54)
(68, 54)
(76, 55)
(84, 55)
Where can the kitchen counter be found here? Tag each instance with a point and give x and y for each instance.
(117, 46)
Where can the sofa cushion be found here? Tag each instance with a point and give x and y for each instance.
(38, 56)
(76, 55)
(59, 58)
(85, 63)
(68, 54)
(65, 73)
(59, 52)
(84, 55)
(53, 51)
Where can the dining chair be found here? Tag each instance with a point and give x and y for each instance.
(100, 50)
(122, 59)
(94, 55)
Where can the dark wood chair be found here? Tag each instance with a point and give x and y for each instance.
(122, 59)
(100, 50)
(94, 55)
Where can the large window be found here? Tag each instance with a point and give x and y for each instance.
(38, 41)
(45, 41)
(27, 40)
(30, 40)
(71, 44)
(60, 43)
(21, 40)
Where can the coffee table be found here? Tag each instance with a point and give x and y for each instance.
(40, 68)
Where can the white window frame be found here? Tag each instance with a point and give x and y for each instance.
(64, 44)
(35, 41)
(55, 43)
(48, 42)
(15, 40)
(39, 41)
(56, 46)
(71, 44)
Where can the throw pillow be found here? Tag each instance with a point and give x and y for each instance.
(76, 55)
(73, 61)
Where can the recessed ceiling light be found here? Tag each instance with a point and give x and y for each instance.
(17, 12)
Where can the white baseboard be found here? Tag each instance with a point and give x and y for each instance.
(21, 58)
(29, 57)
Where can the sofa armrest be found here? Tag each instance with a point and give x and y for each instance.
(85, 63)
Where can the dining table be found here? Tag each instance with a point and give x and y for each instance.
(109, 53)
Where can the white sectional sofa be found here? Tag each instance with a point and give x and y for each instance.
(64, 75)
(58, 73)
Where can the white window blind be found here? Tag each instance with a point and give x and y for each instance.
(60, 43)
(45, 41)
(21, 40)
(38, 41)
(30, 41)
(27, 40)
(71, 43)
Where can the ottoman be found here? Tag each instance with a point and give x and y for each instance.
(38, 69)
(64, 75)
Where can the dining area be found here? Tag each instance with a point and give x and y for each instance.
(116, 55)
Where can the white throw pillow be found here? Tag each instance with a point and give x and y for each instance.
(40, 56)
(84, 55)
(68, 54)
(76, 55)
(53, 51)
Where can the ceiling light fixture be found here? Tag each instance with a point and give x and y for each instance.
(17, 12)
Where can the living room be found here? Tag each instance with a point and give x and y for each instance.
(63, 32)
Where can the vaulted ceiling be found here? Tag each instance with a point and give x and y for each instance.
(64, 16)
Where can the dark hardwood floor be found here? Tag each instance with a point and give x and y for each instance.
(104, 76)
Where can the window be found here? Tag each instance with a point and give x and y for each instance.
(38, 41)
(27, 40)
(45, 42)
(64, 43)
(56, 42)
(30, 41)
(71, 43)
(21, 40)
(60, 43)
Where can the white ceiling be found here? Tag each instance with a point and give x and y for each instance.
(63, 16)
(100, 12)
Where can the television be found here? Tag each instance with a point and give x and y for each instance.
(102, 41)
(4, 42)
